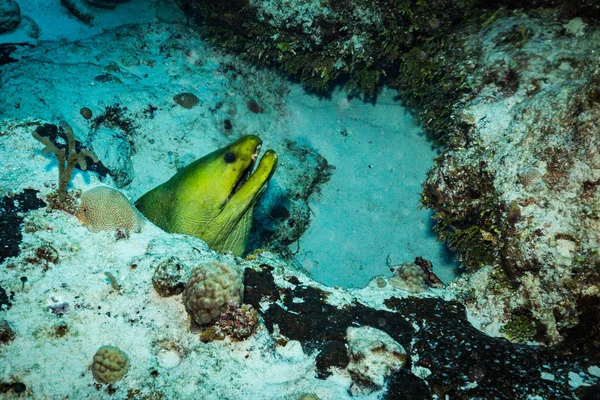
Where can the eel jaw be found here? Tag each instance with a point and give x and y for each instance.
(246, 173)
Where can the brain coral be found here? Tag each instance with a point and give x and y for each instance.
(210, 291)
(110, 364)
(103, 209)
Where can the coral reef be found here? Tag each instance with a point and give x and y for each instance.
(170, 277)
(103, 208)
(285, 216)
(212, 288)
(409, 276)
(515, 193)
(323, 43)
(67, 157)
(237, 323)
(110, 364)
(333, 355)
(446, 354)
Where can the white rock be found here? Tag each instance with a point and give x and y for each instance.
(373, 356)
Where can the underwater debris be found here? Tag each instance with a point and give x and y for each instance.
(67, 157)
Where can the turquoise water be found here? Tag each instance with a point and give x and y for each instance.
(367, 216)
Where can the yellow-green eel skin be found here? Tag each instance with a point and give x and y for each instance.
(210, 198)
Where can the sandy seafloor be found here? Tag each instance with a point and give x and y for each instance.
(365, 218)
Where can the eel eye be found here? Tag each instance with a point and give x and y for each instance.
(229, 158)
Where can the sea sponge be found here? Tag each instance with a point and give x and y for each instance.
(212, 288)
(68, 157)
(103, 209)
(110, 364)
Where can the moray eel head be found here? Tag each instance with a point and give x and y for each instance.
(213, 198)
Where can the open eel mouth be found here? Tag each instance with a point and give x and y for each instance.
(248, 171)
(251, 184)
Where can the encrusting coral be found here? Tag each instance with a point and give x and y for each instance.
(67, 158)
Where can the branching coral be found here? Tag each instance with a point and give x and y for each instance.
(67, 157)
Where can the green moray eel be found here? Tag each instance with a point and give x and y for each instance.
(213, 198)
